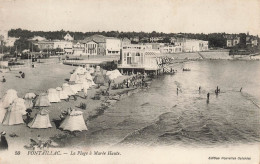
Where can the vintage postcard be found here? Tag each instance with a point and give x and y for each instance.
(130, 81)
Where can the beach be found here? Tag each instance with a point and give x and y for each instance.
(39, 80)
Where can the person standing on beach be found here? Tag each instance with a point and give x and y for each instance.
(28, 117)
(4, 80)
(177, 90)
(208, 97)
(109, 83)
(127, 83)
(199, 88)
(143, 80)
(3, 143)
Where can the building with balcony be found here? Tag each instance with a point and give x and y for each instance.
(91, 48)
(104, 45)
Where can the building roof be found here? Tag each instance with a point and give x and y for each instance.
(95, 38)
(125, 39)
(68, 37)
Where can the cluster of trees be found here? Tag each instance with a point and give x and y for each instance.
(215, 39)
(242, 49)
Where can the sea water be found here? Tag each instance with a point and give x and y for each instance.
(161, 116)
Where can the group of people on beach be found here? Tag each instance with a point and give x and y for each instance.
(135, 81)
(22, 75)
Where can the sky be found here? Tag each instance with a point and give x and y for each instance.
(187, 16)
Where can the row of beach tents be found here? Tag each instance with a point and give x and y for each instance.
(12, 108)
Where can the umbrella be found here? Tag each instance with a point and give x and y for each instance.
(29, 95)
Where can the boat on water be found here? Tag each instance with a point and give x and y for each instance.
(186, 69)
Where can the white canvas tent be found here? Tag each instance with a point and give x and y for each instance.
(113, 74)
(88, 76)
(79, 82)
(18, 105)
(74, 122)
(28, 98)
(75, 88)
(13, 116)
(41, 120)
(80, 70)
(61, 93)
(67, 89)
(2, 112)
(91, 70)
(53, 95)
(42, 100)
(73, 77)
(85, 84)
(9, 97)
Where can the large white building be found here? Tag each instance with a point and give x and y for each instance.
(78, 48)
(191, 45)
(91, 48)
(113, 46)
(171, 49)
(232, 40)
(66, 46)
(136, 57)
